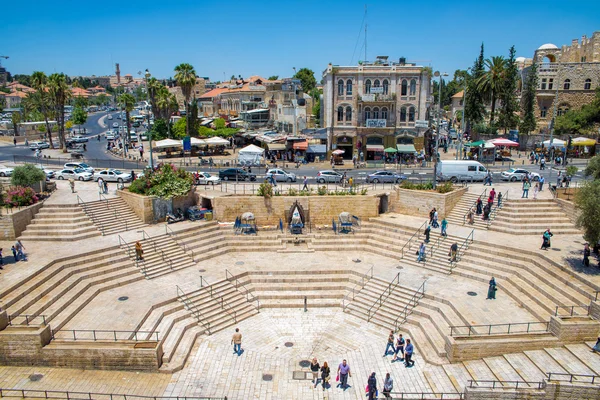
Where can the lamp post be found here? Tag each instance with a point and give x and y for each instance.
(464, 120)
(437, 136)
(147, 76)
(554, 112)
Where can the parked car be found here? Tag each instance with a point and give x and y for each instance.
(236, 174)
(517, 174)
(113, 175)
(75, 173)
(83, 166)
(385, 177)
(39, 145)
(5, 171)
(455, 170)
(204, 178)
(116, 124)
(281, 175)
(110, 116)
(49, 173)
(329, 176)
(110, 136)
(80, 139)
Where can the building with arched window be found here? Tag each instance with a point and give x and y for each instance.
(368, 105)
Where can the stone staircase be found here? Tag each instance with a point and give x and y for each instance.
(112, 215)
(466, 202)
(532, 217)
(60, 222)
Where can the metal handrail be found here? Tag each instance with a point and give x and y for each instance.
(131, 335)
(596, 295)
(406, 311)
(249, 296)
(91, 214)
(436, 245)
(168, 260)
(494, 209)
(29, 318)
(473, 205)
(117, 214)
(381, 298)
(426, 396)
(409, 242)
(364, 278)
(571, 310)
(489, 328)
(121, 240)
(492, 384)
(464, 245)
(192, 307)
(180, 243)
(69, 395)
(140, 264)
(595, 379)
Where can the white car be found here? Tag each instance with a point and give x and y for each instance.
(76, 173)
(204, 178)
(113, 175)
(281, 175)
(80, 139)
(110, 116)
(517, 174)
(39, 145)
(49, 173)
(83, 166)
(5, 171)
(329, 176)
(110, 136)
(115, 124)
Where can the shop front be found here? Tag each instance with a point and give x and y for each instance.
(375, 148)
(345, 143)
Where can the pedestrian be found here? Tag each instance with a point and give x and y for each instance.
(15, 141)
(314, 368)
(72, 185)
(421, 252)
(558, 180)
(493, 194)
(491, 294)
(444, 227)
(141, 149)
(596, 347)
(20, 253)
(133, 176)
(542, 163)
(435, 219)
(105, 186)
(546, 239)
(343, 373)
(139, 252)
(526, 186)
(350, 182)
(499, 199)
(100, 186)
(471, 216)
(371, 388)
(479, 209)
(586, 255)
(408, 353)
(453, 251)
(536, 189)
(236, 340)
(486, 211)
(388, 386)
(1, 259)
(325, 375)
(390, 343)
(305, 187)
(427, 232)
(15, 255)
(431, 215)
(399, 348)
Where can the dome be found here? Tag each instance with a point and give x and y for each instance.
(548, 46)
(520, 59)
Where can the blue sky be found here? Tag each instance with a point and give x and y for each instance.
(222, 38)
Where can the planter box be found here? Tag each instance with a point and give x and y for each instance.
(420, 202)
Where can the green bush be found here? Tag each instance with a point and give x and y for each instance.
(416, 186)
(292, 192)
(572, 170)
(27, 175)
(445, 187)
(165, 182)
(363, 192)
(321, 190)
(20, 196)
(265, 190)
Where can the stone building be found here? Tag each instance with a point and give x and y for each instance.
(372, 106)
(567, 76)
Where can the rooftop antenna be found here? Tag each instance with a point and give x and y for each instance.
(365, 32)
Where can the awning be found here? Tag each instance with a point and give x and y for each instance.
(197, 141)
(167, 143)
(583, 141)
(555, 143)
(317, 149)
(406, 148)
(375, 147)
(300, 145)
(276, 146)
(217, 141)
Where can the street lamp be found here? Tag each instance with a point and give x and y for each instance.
(464, 118)
(437, 136)
(147, 76)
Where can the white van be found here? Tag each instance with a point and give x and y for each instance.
(455, 170)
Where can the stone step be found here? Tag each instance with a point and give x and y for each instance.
(458, 375)
(72, 238)
(526, 369)
(586, 356)
(544, 362)
(182, 352)
(568, 361)
(479, 370)
(501, 369)
(536, 232)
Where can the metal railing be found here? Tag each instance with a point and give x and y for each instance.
(494, 210)
(473, 205)
(183, 297)
(96, 335)
(69, 395)
(409, 242)
(596, 295)
(179, 242)
(249, 296)
(383, 296)
(517, 385)
(498, 329)
(140, 264)
(118, 218)
(570, 311)
(412, 303)
(579, 378)
(426, 396)
(364, 278)
(26, 319)
(157, 250)
(91, 214)
(436, 245)
(461, 249)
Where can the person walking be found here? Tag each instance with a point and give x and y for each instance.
(1, 259)
(421, 252)
(19, 248)
(100, 185)
(343, 373)
(444, 227)
(388, 386)
(435, 223)
(471, 216)
(491, 295)
(453, 252)
(427, 233)
(546, 239)
(492, 195)
(72, 185)
(431, 215)
(390, 343)
(559, 180)
(314, 369)
(526, 186)
(596, 347)
(541, 182)
(305, 187)
(499, 199)
(325, 375)
(139, 252)
(372, 386)
(399, 348)
(236, 340)
(479, 208)
(586, 255)
(408, 353)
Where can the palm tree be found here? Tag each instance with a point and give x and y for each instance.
(186, 79)
(41, 99)
(15, 118)
(490, 83)
(127, 101)
(166, 104)
(59, 94)
(154, 86)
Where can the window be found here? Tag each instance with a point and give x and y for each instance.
(384, 113)
(472, 168)
(550, 83)
(403, 114)
(413, 87)
(340, 87)
(567, 84)
(376, 83)
(376, 113)
(386, 86)
(367, 86)
(543, 112)
(349, 87)
(340, 113)
(348, 113)
(367, 113)
(482, 169)
(411, 114)
(587, 85)
(544, 81)
(404, 90)
(562, 109)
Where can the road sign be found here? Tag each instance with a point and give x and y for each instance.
(187, 144)
(420, 123)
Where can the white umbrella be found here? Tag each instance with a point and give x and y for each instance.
(168, 143)
(217, 141)
(196, 141)
(338, 151)
(555, 143)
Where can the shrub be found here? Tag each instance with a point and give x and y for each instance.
(445, 187)
(165, 181)
(265, 190)
(572, 170)
(27, 175)
(292, 192)
(321, 190)
(20, 196)
(416, 186)
(363, 192)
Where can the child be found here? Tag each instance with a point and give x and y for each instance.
(14, 251)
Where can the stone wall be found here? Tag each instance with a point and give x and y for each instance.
(12, 225)
(142, 206)
(595, 310)
(569, 391)
(503, 394)
(574, 329)
(420, 202)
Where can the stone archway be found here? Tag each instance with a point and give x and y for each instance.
(290, 212)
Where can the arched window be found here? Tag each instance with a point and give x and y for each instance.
(340, 87)
(403, 114)
(384, 113)
(349, 87)
(376, 113)
(562, 109)
(413, 87)
(367, 86)
(340, 113)
(386, 86)
(376, 83)
(587, 85)
(404, 89)
(367, 113)
(348, 113)
(567, 84)
(411, 114)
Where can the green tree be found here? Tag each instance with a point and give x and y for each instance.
(316, 110)
(127, 102)
(194, 122)
(580, 121)
(593, 168)
(475, 104)
(185, 75)
(508, 117)
(160, 130)
(273, 77)
(79, 117)
(219, 123)
(528, 99)
(41, 99)
(27, 175)
(490, 84)
(2, 103)
(15, 118)
(59, 95)
(587, 201)
(307, 79)
(179, 130)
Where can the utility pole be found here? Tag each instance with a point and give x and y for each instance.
(148, 108)
(437, 136)
(551, 146)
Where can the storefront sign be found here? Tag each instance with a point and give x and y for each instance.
(376, 123)
(421, 123)
(377, 90)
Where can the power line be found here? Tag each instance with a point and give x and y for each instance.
(358, 38)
